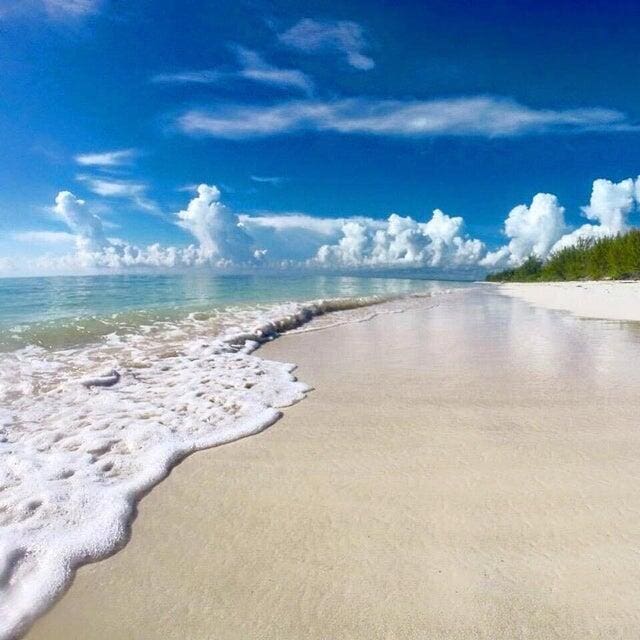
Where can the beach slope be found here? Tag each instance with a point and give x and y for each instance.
(464, 471)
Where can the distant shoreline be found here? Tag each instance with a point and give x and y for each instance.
(608, 257)
(603, 299)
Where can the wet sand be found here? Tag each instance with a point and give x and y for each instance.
(466, 471)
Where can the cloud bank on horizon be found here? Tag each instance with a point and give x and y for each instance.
(224, 239)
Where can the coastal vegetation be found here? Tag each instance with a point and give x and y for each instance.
(609, 258)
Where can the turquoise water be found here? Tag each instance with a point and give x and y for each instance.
(122, 376)
(64, 311)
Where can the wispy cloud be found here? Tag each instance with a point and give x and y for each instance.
(106, 158)
(473, 116)
(71, 7)
(346, 37)
(44, 237)
(201, 76)
(253, 67)
(187, 188)
(126, 189)
(55, 9)
(268, 179)
(280, 221)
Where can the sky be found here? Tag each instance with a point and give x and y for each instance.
(459, 136)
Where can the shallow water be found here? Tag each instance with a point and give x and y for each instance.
(65, 311)
(107, 382)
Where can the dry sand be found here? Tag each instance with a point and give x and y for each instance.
(614, 300)
(467, 471)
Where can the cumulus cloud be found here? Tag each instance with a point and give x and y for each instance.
(294, 238)
(221, 240)
(532, 229)
(610, 205)
(470, 116)
(217, 228)
(403, 241)
(225, 239)
(85, 225)
(93, 249)
(343, 36)
(540, 229)
(253, 67)
(106, 159)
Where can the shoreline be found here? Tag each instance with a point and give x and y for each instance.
(245, 397)
(428, 487)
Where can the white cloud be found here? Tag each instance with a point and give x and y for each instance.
(267, 179)
(346, 37)
(540, 228)
(71, 7)
(106, 158)
(403, 241)
(85, 225)
(252, 67)
(115, 188)
(216, 228)
(294, 237)
(474, 116)
(256, 69)
(288, 221)
(110, 188)
(54, 9)
(610, 205)
(295, 240)
(531, 230)
(222, 241)
(201, 76)
(44, 237)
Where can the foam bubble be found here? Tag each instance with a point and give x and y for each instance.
(85, 432)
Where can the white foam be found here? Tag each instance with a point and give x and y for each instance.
(85, 432)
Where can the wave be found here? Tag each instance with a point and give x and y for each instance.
(85, 432)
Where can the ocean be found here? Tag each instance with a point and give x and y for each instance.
(106, 382)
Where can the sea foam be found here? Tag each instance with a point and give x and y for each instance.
(85, 432)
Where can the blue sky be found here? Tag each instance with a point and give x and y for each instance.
(333, 110)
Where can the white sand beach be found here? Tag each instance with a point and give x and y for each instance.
(465, 471)
(612, 300)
